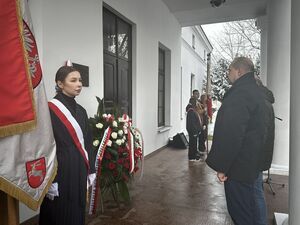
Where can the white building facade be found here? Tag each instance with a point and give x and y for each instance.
(194, 49)
(62, 34)
(76, 30)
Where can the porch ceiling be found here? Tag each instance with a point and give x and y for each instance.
(197, 12)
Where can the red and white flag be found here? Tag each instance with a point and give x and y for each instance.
(27, 146)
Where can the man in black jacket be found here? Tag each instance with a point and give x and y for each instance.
(238, 141)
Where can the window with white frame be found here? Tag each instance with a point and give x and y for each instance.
(161, 87)
(192, 86)
(164, 89)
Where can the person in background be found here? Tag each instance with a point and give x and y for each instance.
(193, 127)
(200, 109)
(237, 141)
(266, 159)
(196, 94)
(66, 199)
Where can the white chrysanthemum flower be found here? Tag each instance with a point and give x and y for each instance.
(120, 132)
(96, 143)
(119, 142)
(104, 115)
(99, 125)
(115, 124)
(114, 135)
(109, 143)
(123, 141)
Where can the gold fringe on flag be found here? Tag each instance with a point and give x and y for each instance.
(21, 195)
(17, 128)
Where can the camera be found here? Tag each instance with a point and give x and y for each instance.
(216, 3)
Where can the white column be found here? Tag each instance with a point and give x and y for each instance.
(262, 24)
(278, 78)
(294, 179)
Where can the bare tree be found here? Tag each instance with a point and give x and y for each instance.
(237, 38)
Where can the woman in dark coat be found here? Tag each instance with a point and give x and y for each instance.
(193, 127)
(66, 200)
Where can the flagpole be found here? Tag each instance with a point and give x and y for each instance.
(207, 73)
(9, 210)
(208, 84)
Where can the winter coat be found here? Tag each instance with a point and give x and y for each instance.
(193, 125)
(69, 207)
(269, 129)
(239, 129)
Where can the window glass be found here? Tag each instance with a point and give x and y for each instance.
(123, 37)
(161, 88)
(109, 32)
(161, 119)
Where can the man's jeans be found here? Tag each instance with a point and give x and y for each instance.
(261, 208)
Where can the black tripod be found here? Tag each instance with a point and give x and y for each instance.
(268, 181)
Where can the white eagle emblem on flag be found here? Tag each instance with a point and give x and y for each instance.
(36, 171)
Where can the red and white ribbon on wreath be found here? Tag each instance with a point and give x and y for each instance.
(139, 139)
(130, 140)
(127, 120)
(130, 149)
(99, 157)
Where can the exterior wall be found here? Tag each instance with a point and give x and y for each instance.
(62, 34)
(73, 29)
(153, 24)
(193, 61)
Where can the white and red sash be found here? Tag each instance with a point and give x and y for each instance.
(72, 126)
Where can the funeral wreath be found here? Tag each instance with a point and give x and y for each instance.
(119, 154)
